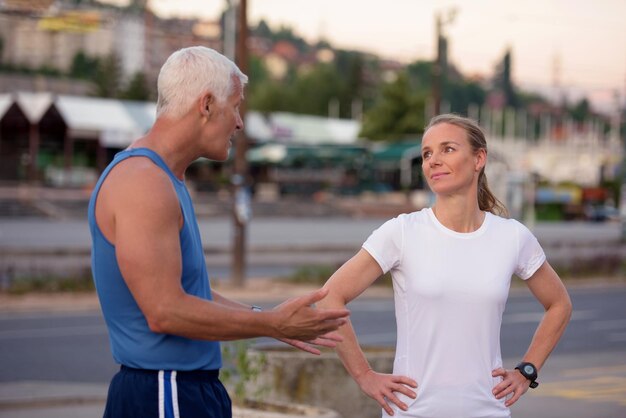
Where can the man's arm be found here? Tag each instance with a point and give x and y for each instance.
(327, 340)
(146, 222)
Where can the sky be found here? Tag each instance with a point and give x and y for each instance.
(579, 45)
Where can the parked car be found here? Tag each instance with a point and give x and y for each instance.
(601, 213)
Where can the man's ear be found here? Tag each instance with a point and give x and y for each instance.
(206, 105)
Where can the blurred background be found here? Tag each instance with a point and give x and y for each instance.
(337, 101)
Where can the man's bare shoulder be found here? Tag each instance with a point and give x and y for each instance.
(138, 183)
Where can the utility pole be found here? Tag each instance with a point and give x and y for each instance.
(230, 29)
(241, 201)
(436, 82)
(440, 63)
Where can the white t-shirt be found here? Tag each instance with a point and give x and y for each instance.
(450, 290)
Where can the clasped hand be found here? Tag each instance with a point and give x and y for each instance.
(300, 324)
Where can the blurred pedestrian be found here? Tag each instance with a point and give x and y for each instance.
(148, 262)
(451, 266)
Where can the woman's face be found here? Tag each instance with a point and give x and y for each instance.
(450, 165)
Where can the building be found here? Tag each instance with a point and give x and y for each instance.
(43, 35)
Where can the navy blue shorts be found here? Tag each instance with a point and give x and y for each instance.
(137, 393)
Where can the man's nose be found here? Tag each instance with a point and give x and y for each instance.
(239, 124)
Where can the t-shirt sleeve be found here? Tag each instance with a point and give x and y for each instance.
(385, 244)
(530, 254)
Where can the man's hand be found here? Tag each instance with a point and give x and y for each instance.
(513, 383)
(381, 387)
(329, 340)
(298, 319)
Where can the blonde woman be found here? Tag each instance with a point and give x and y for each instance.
(451, 266)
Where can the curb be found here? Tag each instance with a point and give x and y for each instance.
(41, 394)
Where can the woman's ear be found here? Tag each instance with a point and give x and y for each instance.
(481, 159)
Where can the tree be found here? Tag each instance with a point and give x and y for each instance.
(314, 89)
(83, 66)
(420, 75)
(270, 96)
(262, 30)
(461, 94)
(581, 111)
(503, 80)
(350, 68)
(137, 88)
(108, 77)
(398, 114)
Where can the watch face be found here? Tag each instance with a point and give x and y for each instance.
(528, 369)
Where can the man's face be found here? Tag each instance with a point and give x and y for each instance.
(225, 121)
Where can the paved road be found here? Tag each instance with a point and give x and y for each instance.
(276, 245)
(42, 234)
(588, 369)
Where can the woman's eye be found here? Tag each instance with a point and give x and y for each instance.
(449, 149)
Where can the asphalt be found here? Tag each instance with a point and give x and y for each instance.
(46, 399)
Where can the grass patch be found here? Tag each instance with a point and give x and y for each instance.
(318, 275)
(600, 266)
(612, 268)
(20, 285)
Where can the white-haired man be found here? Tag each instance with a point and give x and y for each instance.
(148, 264)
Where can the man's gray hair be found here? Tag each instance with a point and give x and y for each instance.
(191, 72)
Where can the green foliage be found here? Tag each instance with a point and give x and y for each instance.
(83, 66)
(239, 369)
(308, 92)
(316, 275)
(270, 97)
(108, 77)
(263, 30)
(316, 88)
(49, 283)
(458, 92)
(420, 75)
(398, 114)
(137, 88)
(283, 33)
(503, 81)
(581, 110)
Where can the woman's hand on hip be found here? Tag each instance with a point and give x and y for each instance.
(512, 383)
(382, 387)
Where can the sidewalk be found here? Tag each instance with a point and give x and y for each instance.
(52, 400)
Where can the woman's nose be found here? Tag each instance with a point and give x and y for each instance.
(434, 159)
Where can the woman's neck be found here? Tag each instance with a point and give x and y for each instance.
(460, 215)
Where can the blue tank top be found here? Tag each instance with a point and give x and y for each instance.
(133, 344)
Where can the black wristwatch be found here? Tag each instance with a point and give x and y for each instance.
(529, 371)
